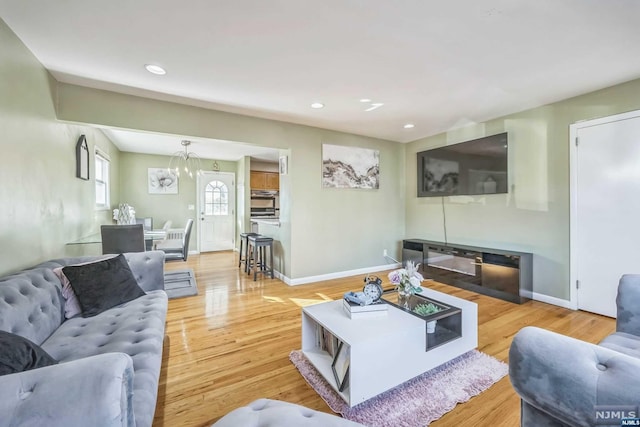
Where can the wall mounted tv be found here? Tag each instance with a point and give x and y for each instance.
(473, 167)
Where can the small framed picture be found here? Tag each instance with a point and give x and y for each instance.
(284, 167)
(340, 365)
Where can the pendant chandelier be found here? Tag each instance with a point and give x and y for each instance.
(185, 161)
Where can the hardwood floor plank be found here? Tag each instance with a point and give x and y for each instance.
(230, 344)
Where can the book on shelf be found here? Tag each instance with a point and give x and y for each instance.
(326, 341)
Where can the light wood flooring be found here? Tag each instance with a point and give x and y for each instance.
(230, 344)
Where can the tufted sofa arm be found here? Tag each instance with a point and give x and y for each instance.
(628, 319)
(565, 378)
(94, 391)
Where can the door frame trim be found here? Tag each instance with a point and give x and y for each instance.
(199, 202)
(573, 196)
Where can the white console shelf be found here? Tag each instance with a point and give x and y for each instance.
(385, 351)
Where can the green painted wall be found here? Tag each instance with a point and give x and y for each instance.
(534, 216)
(324, 230)
(162, 207)
(43, 204)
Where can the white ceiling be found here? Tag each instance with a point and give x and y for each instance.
(154, 143)
(437, 64)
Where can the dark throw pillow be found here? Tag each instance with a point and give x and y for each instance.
(18, 354)
(103, 284)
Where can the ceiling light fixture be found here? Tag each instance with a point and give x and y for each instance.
(374, 106)
(317, 105)
(186, 161)
(155, 69)
(409, 126)
(365, 100)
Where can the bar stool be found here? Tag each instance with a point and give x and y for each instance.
(244, 245)
(258, 246)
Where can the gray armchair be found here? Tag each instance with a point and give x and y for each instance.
(563, 381)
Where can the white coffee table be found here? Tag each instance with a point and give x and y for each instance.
(384, 351)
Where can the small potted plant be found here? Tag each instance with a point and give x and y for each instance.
(426, 309)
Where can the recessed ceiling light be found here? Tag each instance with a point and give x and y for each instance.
(365, 100)
(409, 126)
(317, 105)
(155, 69)
(374, 106)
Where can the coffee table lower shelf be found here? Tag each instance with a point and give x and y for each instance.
(383, 351)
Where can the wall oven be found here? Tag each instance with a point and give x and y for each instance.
(264, 203)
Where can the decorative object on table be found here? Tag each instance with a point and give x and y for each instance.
(162, 181)
(124, 214)
(350, 167)
(366, 303)
(426, 309)
(185, 161)
(407, 282)
(283, 165)
(357, 311)
(82, 158)
(420, 400)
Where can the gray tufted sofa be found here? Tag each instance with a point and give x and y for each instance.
(567, 382)
(275, 413)
(109, 364)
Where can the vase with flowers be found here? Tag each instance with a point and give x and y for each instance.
(407, 282)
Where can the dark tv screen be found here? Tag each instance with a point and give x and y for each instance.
(473, 167)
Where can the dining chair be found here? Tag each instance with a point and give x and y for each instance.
(146, 222)
(177, 249)
(165, 227)
(117, 239)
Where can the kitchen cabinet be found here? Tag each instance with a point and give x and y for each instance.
(273, 181)
(265, 180)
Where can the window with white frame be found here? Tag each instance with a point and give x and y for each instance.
(102, 180)
(216, 198)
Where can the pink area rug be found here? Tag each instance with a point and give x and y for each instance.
(420, 400)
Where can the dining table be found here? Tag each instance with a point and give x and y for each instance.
(149, 235)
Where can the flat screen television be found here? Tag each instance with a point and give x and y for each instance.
(473, 167)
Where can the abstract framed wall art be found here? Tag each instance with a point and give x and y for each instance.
(162, 181)
(350, 167)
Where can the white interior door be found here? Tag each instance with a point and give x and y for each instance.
(217, 211)
(606, 203)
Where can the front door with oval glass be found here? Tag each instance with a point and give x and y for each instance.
(217, 211)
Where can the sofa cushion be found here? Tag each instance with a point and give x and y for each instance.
(135, 328)
(71, 303)
(623, 343)
(18, 354)
(102, 285)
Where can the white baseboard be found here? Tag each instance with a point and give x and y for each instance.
(338, 275)
(549, 300)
